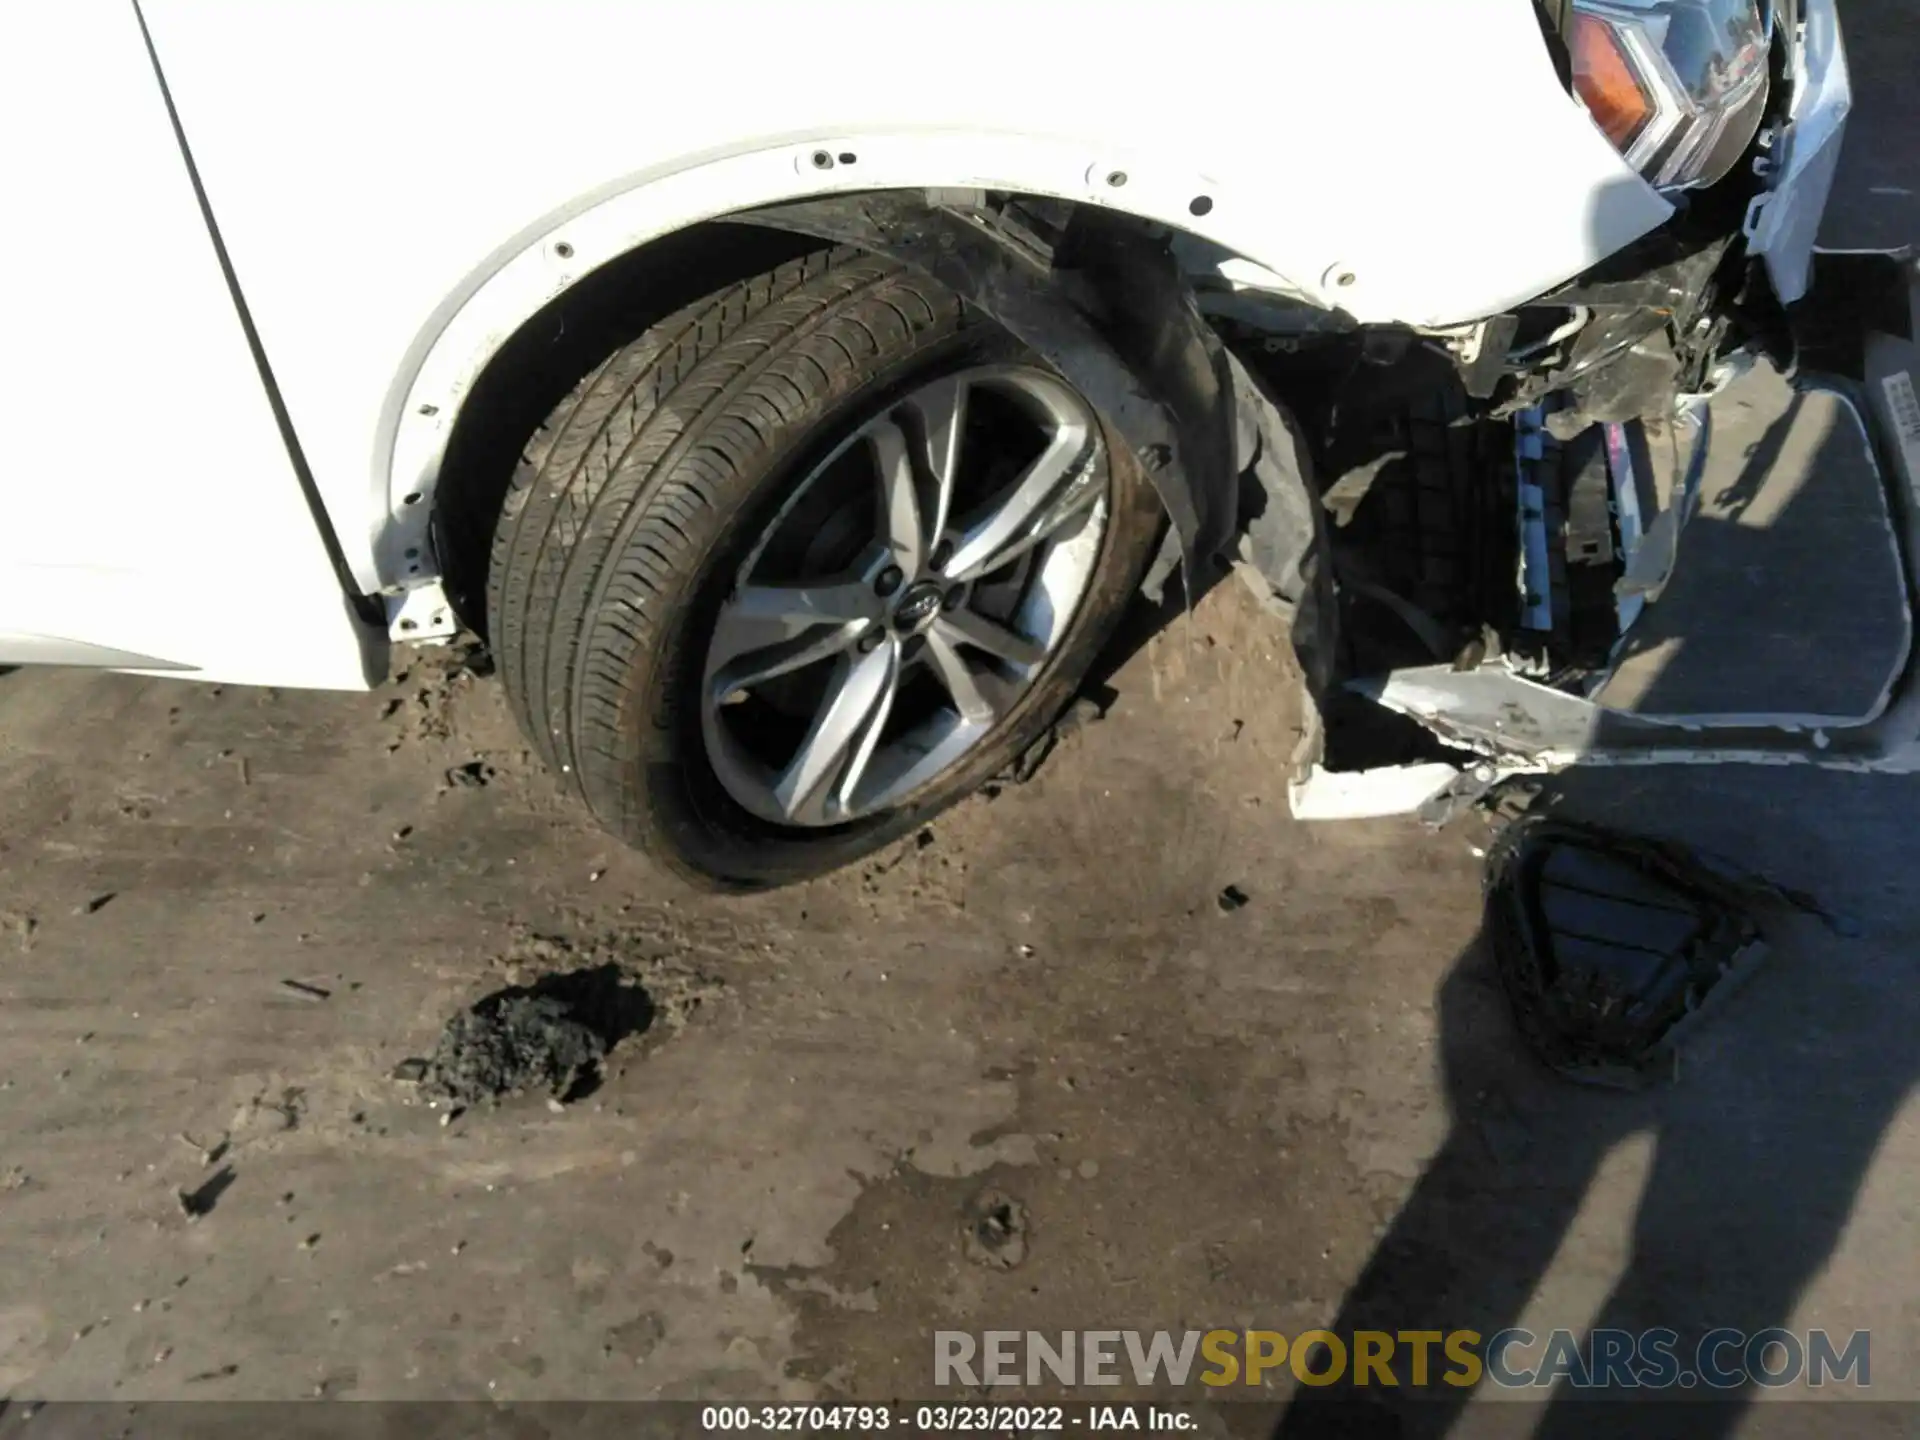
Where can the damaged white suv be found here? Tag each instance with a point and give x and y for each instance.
(793, 400)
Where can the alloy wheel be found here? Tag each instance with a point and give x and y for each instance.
(909, 592)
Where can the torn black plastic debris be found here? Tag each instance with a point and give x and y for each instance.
(1612, 947)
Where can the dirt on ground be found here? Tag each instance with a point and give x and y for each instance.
(1122, 1047)
(278, 939)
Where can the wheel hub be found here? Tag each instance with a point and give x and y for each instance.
(919, 607)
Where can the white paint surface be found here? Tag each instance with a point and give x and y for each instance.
(147, 504)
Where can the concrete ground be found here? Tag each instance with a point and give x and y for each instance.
(1309, 1110)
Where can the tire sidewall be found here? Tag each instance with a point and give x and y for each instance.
(685, 812)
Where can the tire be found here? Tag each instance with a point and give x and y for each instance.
(634, 513)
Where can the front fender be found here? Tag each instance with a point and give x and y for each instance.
(402, 186)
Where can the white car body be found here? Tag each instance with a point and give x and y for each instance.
(398, 187)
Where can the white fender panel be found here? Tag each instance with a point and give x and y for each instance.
(391, 176)
(149, 514)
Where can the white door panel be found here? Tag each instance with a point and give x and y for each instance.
(386, 173)
(148, 509)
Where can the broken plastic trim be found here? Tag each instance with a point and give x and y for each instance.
(1521, 726)
(1323, 794)
(1613, 948)
(1535, 578)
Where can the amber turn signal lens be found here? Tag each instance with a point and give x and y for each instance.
(1606, 83)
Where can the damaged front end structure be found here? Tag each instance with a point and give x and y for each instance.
(1463, 525)
(1855, 346)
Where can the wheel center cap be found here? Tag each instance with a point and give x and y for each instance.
(918, 606)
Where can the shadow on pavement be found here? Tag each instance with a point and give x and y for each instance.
(1758, 1149)
(1761, 1143)
(1787, 597)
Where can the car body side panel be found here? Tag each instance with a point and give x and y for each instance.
(149, 515)
(402, 184)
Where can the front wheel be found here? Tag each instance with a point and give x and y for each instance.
(806, 563)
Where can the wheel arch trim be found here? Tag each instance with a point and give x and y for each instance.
(425, 402)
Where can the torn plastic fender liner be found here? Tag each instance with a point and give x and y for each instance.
(1283, 550)
(1113, 316)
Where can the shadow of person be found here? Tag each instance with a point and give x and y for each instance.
(1758, 1151)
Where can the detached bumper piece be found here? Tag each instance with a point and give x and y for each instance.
(1612, 948)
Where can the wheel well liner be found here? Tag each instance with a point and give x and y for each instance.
(1100, 296)
(1149, 363)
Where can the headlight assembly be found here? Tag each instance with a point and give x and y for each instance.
(1679, 86)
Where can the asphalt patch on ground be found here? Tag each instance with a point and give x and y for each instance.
(551, 1035)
